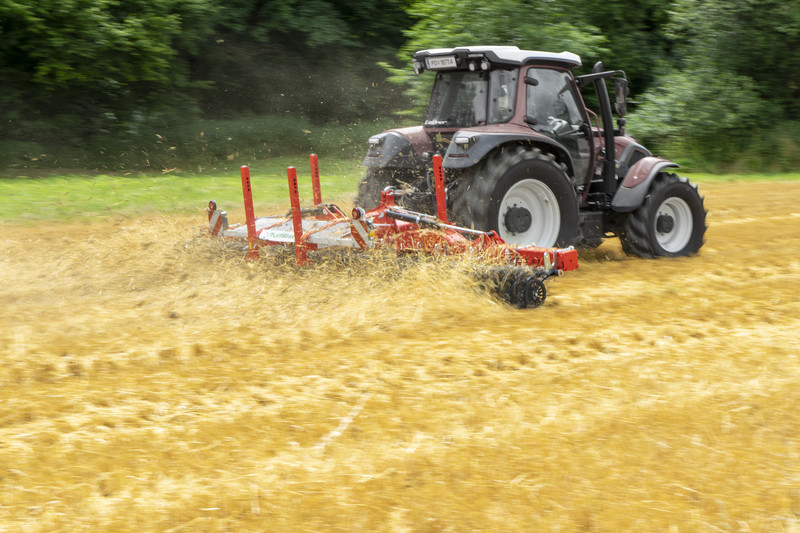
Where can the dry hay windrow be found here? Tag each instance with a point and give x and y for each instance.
(152, 380)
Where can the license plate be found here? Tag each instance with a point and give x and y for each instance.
(434, 63)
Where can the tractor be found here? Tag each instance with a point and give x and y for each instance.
(525, 157)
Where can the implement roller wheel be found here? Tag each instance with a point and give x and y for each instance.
(535, 293)
(517, 286)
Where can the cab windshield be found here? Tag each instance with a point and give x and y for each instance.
(463, 99)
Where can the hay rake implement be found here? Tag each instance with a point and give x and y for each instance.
(514, 273)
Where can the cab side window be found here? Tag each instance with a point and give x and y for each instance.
(551, 101)
(502, 94)
(552, 109)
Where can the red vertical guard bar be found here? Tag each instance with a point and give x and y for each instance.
(247, 192)
(297, 217)
(314, 160)
(438, 178)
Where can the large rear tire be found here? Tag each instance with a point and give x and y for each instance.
(521, 193)
(406, 182)
(371, 186)
(671, 222)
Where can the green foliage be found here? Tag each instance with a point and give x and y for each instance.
(703, 114)
(111, 41)
(315, 58)
(61, 43)
(716, 104)
(76, 68)
(757, 39)
(110, 72)
(634, 36)
(121, 84)
(531, 25)
(316, 23)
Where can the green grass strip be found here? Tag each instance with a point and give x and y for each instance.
(81, 197)
(64, 198)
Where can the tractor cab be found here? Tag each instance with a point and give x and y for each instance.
(504, 89)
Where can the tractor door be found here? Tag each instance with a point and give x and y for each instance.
(553, 108)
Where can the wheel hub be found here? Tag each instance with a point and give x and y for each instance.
(673, 224)
(665, 223)
(529, 214)
(518, 219)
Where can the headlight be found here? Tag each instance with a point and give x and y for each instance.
(464, 142)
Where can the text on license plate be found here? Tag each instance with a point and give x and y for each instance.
(441, 62)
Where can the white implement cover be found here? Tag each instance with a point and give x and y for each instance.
(322, 233)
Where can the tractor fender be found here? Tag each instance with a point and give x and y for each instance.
(461, 156)
(400, 148)
(636, 184)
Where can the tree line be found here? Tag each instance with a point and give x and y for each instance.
(715, 80)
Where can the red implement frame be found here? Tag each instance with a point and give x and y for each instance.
(438, 180)
(247, 192)
(297, 218)
(314, 163)
(385, 225)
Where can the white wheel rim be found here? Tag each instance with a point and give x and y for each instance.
(678, 236)
(542, 204)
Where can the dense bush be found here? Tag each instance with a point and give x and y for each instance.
(685, 115)
(119, 83)
(131, 83)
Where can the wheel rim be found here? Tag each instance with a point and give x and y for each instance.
(673, 224)
(545, 217)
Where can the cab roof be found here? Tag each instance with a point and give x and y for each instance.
(502, 55)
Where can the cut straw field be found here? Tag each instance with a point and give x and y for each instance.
(152, 382)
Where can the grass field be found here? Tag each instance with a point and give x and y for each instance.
(152, 381)
(91, 197)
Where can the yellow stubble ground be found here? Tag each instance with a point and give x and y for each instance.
(152, 381)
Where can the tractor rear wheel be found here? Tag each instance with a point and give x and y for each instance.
(371, 186)
(521, 193)
(671, 222)
(406, 181)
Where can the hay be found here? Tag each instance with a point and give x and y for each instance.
(154, 381)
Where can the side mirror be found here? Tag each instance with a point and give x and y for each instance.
(586, 130)
(621, 92)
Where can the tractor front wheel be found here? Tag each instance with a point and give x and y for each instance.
(671, 222)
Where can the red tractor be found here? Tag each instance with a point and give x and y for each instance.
(525, 157)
